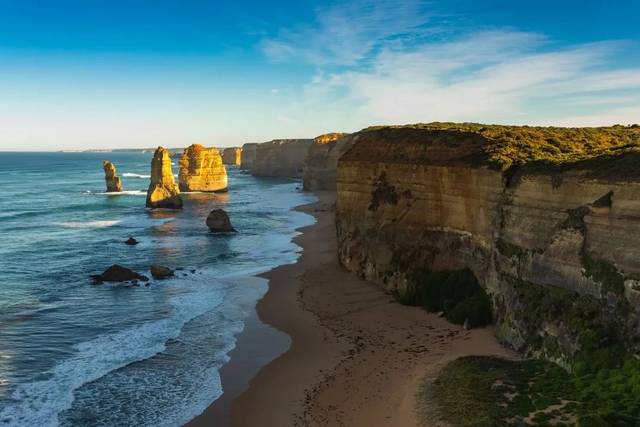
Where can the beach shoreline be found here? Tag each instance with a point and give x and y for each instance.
(356, 356)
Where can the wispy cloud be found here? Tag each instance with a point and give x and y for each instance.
(380, 63)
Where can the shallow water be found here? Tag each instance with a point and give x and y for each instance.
(72, 353)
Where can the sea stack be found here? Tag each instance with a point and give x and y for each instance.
(232, 156)
(163, 191)
(201, 169)
(248, 155)
(114, 183)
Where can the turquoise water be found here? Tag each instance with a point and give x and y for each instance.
(73, 353)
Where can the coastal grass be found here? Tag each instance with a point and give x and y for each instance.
(488, 391)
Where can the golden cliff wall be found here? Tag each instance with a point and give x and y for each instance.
(556, 244)
(321, 162)
(281, 158)
(248, 155)
(201, 169)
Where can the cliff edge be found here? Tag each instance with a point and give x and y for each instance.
(281, 158)
(321, 162)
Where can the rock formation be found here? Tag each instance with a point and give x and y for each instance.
(114, 183)
(117, 273)
(248, 155)
(131, 241)
(218, 222)
(321, 163)
(232, 156)
(281, 158)
(547, 219)
(160, 272)
(163, 191)
(201, 169)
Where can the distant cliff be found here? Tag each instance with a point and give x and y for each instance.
(281, 158)
(201, 169)
(232, 156)
(321, 162)
(547, 219)
(248, 155)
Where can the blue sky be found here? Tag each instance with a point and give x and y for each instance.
(98, 74)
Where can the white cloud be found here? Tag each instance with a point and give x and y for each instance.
(379, 63)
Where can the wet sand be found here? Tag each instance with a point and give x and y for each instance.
(357, 358)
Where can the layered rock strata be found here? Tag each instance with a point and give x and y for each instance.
(163, 191)
(113, 181)
(281, 158)
(201, 169)
(248, 155)
(232, 156)
(548, 220)
(321, 162)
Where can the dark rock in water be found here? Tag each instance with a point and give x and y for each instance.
(117, 273)
(160, 272)
(131, 241)
(218, 222)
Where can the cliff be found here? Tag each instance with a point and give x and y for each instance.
(546, 219)
(201, 169)
(232, 156)
(281, 158)
(321, 163)
(163, 191)
(248, 155)
(113, 181)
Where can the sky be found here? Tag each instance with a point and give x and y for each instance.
(83, 74)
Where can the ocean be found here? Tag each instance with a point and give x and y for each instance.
(73, 353)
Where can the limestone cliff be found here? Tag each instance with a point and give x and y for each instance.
(201, 169)
(163, 191)
(248, 155)
(321, 163)
(281, 158)
(232, 156)
(113, 181)
(548, 220)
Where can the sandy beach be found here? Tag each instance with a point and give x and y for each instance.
(357, 358)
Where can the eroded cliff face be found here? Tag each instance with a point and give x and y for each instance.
(163, 191)
(557, 246)
(321, 163)
(232, 156)
(201, 169)
(112, 180)
(248, 155)
(281, 158)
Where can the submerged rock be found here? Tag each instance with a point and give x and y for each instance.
(218, 222)
(114, 183)
(118, 273)
(163, 191)
(161, 272)
(201, 169)
(131, 241)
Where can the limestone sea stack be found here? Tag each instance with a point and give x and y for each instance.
(163, 191)
(321, 163)
(546, 219)
(232, 156)
(113, 181)
(281, 158)
(201, 169)
(248, 155)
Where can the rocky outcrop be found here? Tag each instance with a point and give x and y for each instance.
(248, 155)
(281, 158)
(160, 272)
(163, 191)
(321, 162)
(232, 156)
(201, 169)
(113, 181)
(131, 241)
(117, 273)
(547, 220)
(218, 222)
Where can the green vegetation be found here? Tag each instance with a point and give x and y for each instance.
(605, 272)
(486, 391)
(614, 150)
(456, 293)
